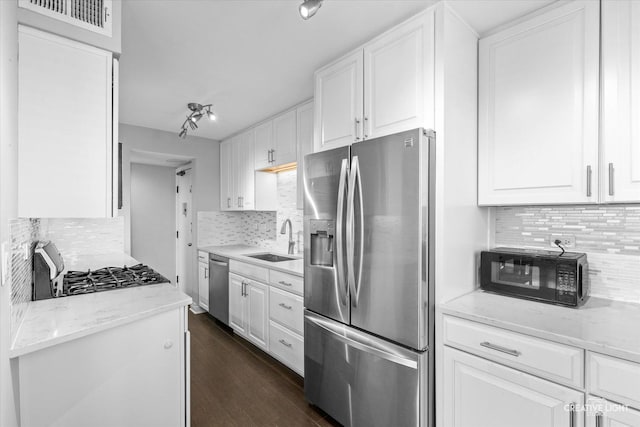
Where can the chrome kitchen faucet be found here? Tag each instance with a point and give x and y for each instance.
(284, 230)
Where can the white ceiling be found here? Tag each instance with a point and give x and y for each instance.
(252, 59)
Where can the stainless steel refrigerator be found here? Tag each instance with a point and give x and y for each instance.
(368, 280)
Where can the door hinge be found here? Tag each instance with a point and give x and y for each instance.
(177, 188)
(177, 235)
(177, 279)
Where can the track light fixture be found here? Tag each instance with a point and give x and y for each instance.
(197, 112)
(308, 8)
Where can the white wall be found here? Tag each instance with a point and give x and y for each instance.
(206, 174)
(153, 217)
(8, 196)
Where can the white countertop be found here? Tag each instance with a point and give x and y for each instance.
(58, 320)
(239, 252)
(600, 325)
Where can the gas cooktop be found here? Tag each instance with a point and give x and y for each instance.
(109, 278)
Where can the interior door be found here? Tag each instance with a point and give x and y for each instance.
(185, 251)
(387, 285)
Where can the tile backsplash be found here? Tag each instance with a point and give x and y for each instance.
(608, 234)
(256, 228)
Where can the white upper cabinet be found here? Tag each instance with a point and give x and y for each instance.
(338, 103)
(305, 145)
(620, 101)
(263, 143)
(538, 109)
(380, 89)
(226, 179)
(395, 68)
(284, 138)
(68, 160)
(246, 170)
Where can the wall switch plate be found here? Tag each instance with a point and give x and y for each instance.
(566, 240)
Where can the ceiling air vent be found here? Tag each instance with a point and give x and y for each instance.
(94, 15)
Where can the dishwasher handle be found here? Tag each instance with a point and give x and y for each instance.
(221, 264)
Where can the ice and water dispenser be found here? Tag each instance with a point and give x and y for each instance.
(322, 236)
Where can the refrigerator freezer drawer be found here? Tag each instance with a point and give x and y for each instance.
(361, 380)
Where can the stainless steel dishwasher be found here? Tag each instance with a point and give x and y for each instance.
(219, 288)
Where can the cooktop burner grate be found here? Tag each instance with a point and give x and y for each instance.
(109, 278)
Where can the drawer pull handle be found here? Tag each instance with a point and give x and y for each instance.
(283, 305)
(487, 344)
(282, 282)
(284, 343)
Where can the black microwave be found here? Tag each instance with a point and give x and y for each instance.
(545, 276)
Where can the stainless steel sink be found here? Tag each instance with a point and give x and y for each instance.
(271, 257)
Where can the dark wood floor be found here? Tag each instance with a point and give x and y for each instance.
(234, 383)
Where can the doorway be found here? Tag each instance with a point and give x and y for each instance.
(185, 251)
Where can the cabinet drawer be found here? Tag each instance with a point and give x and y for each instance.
(203, 256)
(287, 347)
(288, 282)
(249, 270)
(613, 378)
(286, 309)
(558, 362)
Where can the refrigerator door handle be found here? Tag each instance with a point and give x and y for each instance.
(360, 341)
(343, 286)
(361, 255)
(351, 230)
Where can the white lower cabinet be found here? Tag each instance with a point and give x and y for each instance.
(133, 375)
(286, 346)
(481, 393)
(203, 280)
(248, 309)
(270, 316)
(604, 413)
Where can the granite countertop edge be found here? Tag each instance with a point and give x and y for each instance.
(611, 344)
(58, 320)
(238, 253)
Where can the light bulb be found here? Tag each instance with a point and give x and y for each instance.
(211, 115)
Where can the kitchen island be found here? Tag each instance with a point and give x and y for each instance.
(119, 357)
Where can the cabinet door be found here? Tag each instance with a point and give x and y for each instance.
(264, 144)
(235, 176)
(284, 138)
(480, 393)
(305, 145)
(603, 413)
(129, 376)
(621, 101)
(258, 314)
(226, 183)
(246, 170)
(237, 311)
(396, 78)
(65, 146)
(538, 109)
(338, 103)
(203, 285)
